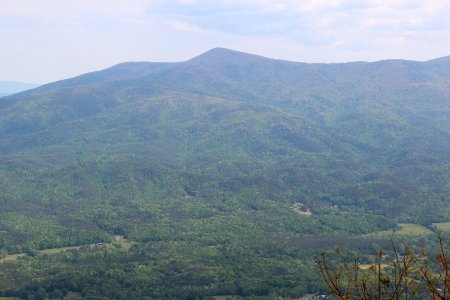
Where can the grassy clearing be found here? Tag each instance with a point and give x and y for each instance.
(404, 229)
(12, 257)
(413, 229)
(72, 295)
(58, 250)
(367, 266)
(444, 226)
(125, 244)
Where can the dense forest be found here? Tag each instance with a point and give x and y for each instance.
(222, 175)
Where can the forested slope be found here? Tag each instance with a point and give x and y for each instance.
(214, 155)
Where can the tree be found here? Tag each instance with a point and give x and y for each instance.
(408, 276)
(41, 294)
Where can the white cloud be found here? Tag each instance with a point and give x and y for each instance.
(183, 26)
(188, 2)
(60, 10)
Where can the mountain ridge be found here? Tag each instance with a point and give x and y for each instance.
(222, 56)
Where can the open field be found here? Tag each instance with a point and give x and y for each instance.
(444, 226)
(222, 297)
(12, 257)
(124, 243)
(58, 250)
(367, 266)
(404, 229)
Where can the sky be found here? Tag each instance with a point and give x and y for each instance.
(47, 40)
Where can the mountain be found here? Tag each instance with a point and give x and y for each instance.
(206, 164)
(387, 117)
(12, 87)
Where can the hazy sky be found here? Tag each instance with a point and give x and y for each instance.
(47, 40)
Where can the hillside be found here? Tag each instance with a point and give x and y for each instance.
(201, 164)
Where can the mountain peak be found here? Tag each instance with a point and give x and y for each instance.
(221, 54)
(222, 51)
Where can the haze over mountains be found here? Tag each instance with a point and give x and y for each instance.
(215, 151)
(12, 87)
